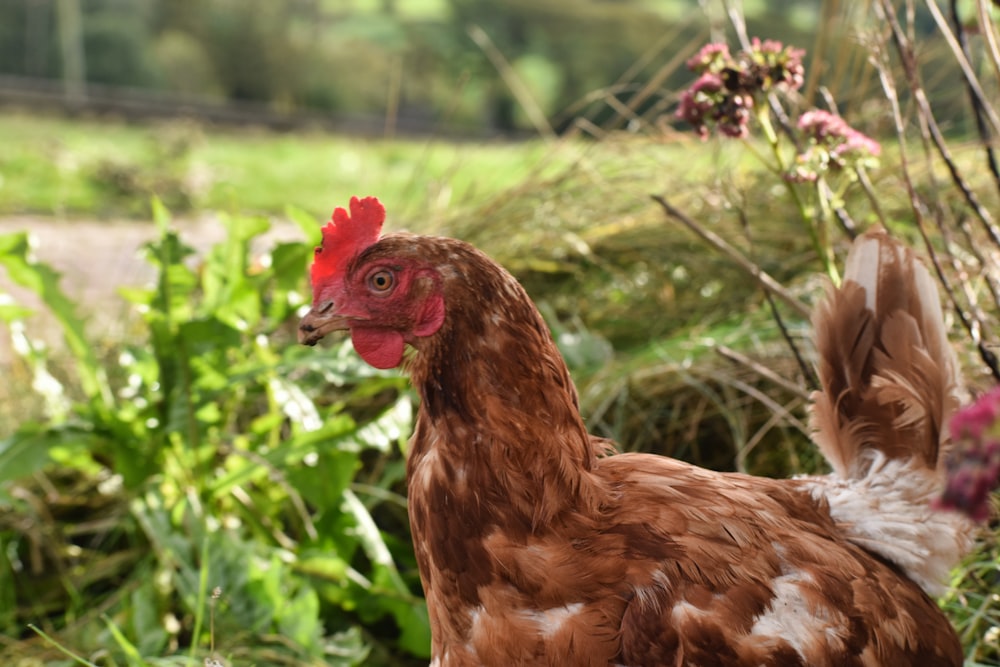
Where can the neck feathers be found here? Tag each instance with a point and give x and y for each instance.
(497, 400)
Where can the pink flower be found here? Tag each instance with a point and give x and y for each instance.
(708, 101)
(820, 124)
(777, 65)
(711, 58)
(801, 173)
(729, 87)
(972, 422)
(698, 101)
(858, 145)
(973, 467)
(833, 143)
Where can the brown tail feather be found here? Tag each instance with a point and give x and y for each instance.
(889, 377)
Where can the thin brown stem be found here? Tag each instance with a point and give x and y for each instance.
(976, 101)
(907, 57)
(762, 370)
(866, 185)
(758, 274)
(808, 375)
(971, 323)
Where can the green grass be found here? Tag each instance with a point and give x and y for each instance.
(71, 168)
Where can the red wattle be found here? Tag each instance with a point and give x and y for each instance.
(381, 348)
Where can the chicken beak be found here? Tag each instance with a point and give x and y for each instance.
(320, 321)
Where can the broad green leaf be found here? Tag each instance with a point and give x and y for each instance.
(17, 259)
(57, 405)
(147, 622)
(330, 568)
(132, 655)
(289, 262)
(298, 618)
(333, 470)
(324, 477)
(241, 229)
(228, 291)
(240, 306)
(27, 450)
(161, 216)
(176, 281)
(310, 226)
(290, 276)
(372, 542)
(11, 310)
(346, 649)
(392, 426)
(294, 403)
(412, 618)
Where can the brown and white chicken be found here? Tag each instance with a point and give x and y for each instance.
(539, 545)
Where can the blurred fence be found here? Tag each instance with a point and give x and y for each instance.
(138, 105)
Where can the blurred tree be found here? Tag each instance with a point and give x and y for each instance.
(37, 28)
(74, 64)
(507, 27)
(250, 45)
(186, 65)
(369, 56)
(15, 38)
(588, 44)
(117, 38)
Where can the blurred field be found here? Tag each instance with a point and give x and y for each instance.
(106, 170)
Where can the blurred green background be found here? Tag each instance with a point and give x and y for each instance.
(416, 63)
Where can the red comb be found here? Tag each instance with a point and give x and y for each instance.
(346, 235)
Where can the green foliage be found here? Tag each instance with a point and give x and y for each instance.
(116, 43)
(367, 57)
(972, 604)
(220, 456)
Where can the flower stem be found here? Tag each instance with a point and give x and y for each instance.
(814, 224)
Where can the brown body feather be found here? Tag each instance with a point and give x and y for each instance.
(536, 549)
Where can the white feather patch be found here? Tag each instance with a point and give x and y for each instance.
(798, 622)
(427, 468)
(550, 621)
(887, 510)
(863, 267)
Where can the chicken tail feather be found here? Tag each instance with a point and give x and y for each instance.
(889, 383)
(889, 378)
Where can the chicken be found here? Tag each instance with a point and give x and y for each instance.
(537, 544)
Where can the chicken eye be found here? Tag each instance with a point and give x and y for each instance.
(381, 281)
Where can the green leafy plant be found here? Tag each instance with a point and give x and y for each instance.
(210, 454)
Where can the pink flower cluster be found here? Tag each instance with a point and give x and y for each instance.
(774, 64)
(974, 465)
(708, 101)
(833, 144)
(728, 87)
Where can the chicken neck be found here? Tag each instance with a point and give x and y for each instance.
(499, 426)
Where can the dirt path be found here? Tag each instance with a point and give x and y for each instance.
(95, 259)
